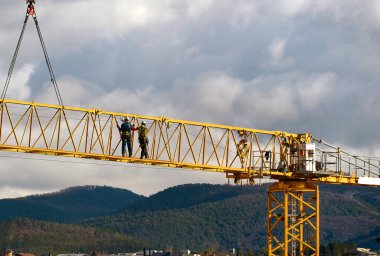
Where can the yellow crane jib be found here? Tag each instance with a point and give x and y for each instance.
(297, 161)
(241, 153)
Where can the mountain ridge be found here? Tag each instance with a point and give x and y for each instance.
(345, 216)
(41, 237)
(69, 205)
(204, 216)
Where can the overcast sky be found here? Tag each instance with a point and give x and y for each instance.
(294, 65)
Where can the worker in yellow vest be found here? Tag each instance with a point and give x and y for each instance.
(143, 139)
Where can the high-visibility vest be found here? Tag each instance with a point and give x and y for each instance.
(143, 132)
(126, 129)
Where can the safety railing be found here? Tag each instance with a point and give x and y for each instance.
(241, 153)
(335, 160)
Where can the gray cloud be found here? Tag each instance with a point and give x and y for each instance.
(284, 65)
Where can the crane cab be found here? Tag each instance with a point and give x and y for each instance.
(306, 158)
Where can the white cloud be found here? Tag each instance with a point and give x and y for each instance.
(276, 50)
(289, 64)
(243, 14)
(216, 92)
(70, 25)
(293, 7)
(73, 91)
(18, 86)
(370, 108)
(312, 90)
(196, 8)
(212, 97)
(47, 174)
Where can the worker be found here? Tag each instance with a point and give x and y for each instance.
(242, 150)
(143, 139)
(125, 131)
(242, 146)
(30, 1)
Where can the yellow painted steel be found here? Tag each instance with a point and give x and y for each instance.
(91, 133)
(241, 153)
(293, 219)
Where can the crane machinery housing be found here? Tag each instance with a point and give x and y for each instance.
(297, 161)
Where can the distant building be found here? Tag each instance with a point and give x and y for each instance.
(145, 252)
(73, 254)
(24, 254)
(185, 252)
(124, 254)
(161, 254)
(180, 253)
(361, 252)
(231, 252)
(8, 252)
(223, 254)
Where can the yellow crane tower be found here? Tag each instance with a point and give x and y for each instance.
(297, 161)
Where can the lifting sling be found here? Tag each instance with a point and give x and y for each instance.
(30, 11)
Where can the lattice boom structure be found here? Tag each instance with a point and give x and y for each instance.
(296, 160)
(241, 153)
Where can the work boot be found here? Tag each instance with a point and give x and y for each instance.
(123, 155)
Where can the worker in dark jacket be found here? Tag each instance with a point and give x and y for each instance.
(143, 140)
(125, 131)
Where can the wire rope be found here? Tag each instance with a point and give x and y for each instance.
(13, 62)
(15, 55)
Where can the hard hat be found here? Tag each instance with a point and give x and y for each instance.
(143, 123)
(126, 119)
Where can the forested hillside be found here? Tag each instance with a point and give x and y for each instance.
(69, 205)
(350, 213)
(185, 196)
(25, 235)
(193, 216)
(236, 217)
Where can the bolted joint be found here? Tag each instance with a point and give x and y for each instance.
(97, 111)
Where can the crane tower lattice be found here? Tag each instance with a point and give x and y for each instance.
(297, 161)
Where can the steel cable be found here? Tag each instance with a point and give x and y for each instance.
(13, 62)
(52, 76)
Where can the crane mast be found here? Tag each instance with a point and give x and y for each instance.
(298, 162)
(245, 155)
